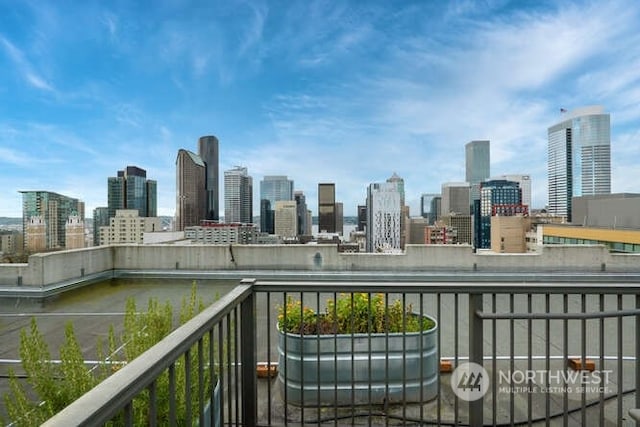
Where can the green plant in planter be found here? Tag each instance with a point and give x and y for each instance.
(358, 313)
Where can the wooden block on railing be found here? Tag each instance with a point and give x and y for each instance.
(575, 363)
(446, 366)
(266, 371)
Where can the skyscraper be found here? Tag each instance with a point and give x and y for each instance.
(304, 227)
(286, 219)
(208, 150)
(579, 158)
(477, 162)
(238, 196)
(191, 201)
(497, 196)
(53, 210)
(383, 218)
(326, 208)
(525, 186)
(455, 198)
(273, 188)
(131, 189)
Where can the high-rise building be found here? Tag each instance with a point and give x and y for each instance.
(100, 219)
(362, 217)
(455, 198)
(339, 218)
(497, 197)
(383, 218)
(326, 208)
(427, 207)
(238, 196)
(54, 210)
(477, 162)
(304, 226)
(126, 226)
(273, 188)
(525, 186)
(579, 158)
(35, 234)
(74, 233)
(286, 219)
(208, 150)
(191, 199)
(131, 189)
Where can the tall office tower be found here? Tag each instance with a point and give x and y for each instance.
(304, 227)
(497, 197)
(340, 218)
(399, 182)
(383, 218)
(54, 209)
(273, 188)
(579, 162)
(74, 233)
(426, 208)
(100, 219)
(238, 196)
(326, 208)
(208, 151)
(286, 218)
(131, 189)
(362, 217)
(436, 208)
(404, 209)
(525, 186)
(191, 201)
(455, 198)
(477, 162)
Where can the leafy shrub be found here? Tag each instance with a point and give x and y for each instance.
(357, 313)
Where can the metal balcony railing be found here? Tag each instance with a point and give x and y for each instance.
(559, 353)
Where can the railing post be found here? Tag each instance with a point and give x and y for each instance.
(476, 338)
(248, 357)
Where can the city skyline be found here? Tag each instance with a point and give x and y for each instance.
(345, 93)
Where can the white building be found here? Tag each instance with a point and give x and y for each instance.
(383, 218)
(128, 227)
(238, 196)
(286, 218)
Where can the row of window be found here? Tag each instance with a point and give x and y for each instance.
(613, 246)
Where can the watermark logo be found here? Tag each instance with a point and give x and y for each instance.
(470, 381)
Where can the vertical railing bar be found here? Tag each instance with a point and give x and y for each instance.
(335, 359)
(602, 359)
(187, 386)
(476, 352)
(421, 350)
(201, 381)
(637, 332)
(530, 360)
(404, 356)
(285, 374)
(494, 365)
(221, 370)
(236, 367)
(583, 358)
(386, 361)
(128, 414)
(172, 394)
(620, 360)
(212, 375)
(440, 326)
(319, 412)
(456, 402)
(153, 404)
(438, 318)
(353, 361)
(302, 387)
(369, 349)
(547, 361)
(231, 383)
(565, 346)
(511, 353)
(248, 355)
(268, 296)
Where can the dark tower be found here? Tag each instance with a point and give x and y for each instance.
(208, 151)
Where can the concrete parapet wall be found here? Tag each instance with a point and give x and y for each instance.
(50, 268)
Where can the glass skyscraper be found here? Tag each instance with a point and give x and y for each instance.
(477, 162)
(191, 201)
(238, 196)
(273, 188)
(131, 189)
(209, 152)
(497, 194)
(579, 158)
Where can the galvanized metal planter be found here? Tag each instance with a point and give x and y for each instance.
(358, 369)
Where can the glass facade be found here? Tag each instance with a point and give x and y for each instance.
(238, 196)
(579, 158)
(131, 189)
(54, 209)
(494, 193)
(477, 163)
(327, 208)
(273, 188)
(208, 149)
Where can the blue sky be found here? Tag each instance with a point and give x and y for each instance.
(332, 91)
